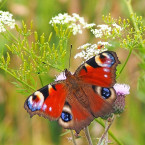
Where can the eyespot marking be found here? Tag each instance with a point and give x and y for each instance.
(51, 88)
(35, 101)
(66, 117)
(44, 91)
(105, 59)
(92, 62)
(104, 92)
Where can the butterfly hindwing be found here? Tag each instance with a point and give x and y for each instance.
(79, 115)
(48, 101)
(100, 99)
(99, 70)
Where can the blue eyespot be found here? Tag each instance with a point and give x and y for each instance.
(112, 59)
(66, 117)
(106, 93)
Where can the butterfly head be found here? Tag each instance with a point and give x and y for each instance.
(67, 73)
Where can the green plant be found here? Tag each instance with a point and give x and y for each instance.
(38, 54)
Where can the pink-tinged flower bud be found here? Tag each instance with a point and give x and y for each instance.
(121, 91)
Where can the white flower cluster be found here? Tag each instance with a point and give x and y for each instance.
(74, 22)
(105, 30)
(77, 23)
(89, 50)
(6, 20)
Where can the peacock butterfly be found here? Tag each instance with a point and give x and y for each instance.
(75, 101)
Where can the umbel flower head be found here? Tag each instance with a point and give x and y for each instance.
(74, 22)
(6, 20)
(89, 50)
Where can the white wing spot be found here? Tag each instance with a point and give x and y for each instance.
(50, 109)
(44, 107)
(106, 70)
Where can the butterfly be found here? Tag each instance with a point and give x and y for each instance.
(75, 101)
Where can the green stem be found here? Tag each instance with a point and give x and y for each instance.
(3, 4)
(124, 63)
(73, 138)
(11, 34)
(128, 4)
(110, 133)
(22, 82)
(105, 135)
(40, 80)
(88, 135)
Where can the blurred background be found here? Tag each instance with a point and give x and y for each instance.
(17, 128)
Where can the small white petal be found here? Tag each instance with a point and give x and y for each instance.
(104, 43)
(61, 76)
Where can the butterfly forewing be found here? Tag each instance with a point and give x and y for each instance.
(48, 101)
(99, 70)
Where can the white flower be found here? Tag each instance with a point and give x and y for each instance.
(6, 20)
(76, 28)
(88, 26)
(88, 51)
(80, 19)
(61, 76)
(97, 32)
(75, 23)
(104, 43)
(104, 27)
(80, 54)
(122, 89)
(84, 46)
(117, 26)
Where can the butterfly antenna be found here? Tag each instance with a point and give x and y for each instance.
(70, 56)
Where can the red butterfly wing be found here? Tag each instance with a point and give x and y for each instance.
(48, 101)
(80, 116)
(100, 99)
(99, 70)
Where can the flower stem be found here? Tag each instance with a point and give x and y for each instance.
(11, 34)
(105, 135)
(110, 133)
(88, 135)
(73, 138)
(40, 80)
(128, 4)
(3, 2)
(22, 82)
(124, 63)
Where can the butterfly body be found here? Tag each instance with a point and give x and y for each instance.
(75, 101)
